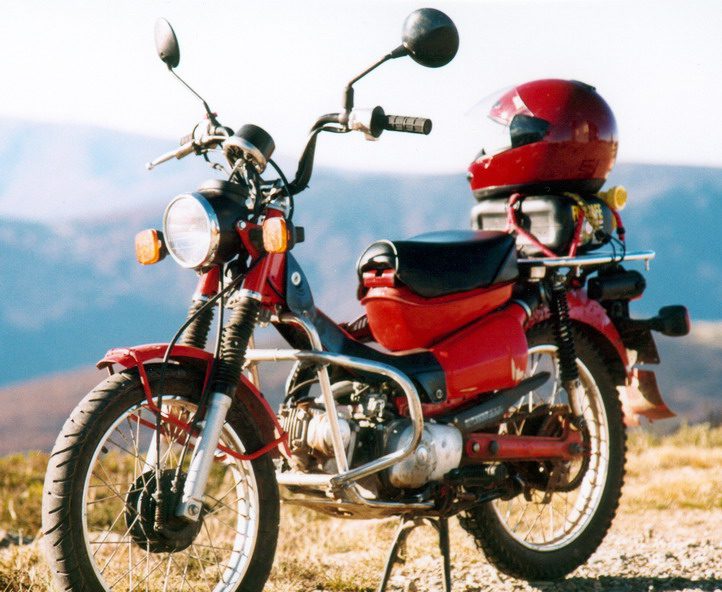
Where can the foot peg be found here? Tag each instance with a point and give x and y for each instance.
(398, 549)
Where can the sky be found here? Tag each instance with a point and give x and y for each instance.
(279, 64)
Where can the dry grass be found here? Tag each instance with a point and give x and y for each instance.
(679, 471)
(676, 472)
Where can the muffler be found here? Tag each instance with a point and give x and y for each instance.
(491, 411)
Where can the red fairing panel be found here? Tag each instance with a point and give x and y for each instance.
(489, 355)
(401, 320)
(268, 279)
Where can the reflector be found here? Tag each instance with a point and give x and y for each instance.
(275, 235)
(149, 247)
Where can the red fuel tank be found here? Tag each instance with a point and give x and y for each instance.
(401, 320)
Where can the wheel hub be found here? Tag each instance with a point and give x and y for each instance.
(551, 421)
(176, 534)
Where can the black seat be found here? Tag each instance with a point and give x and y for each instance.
(440, 263)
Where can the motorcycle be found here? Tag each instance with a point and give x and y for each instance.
(490, 378)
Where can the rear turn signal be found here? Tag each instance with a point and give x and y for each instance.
(615, 197)
(149, 247)
(275, 235)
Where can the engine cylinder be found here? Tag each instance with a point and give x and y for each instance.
(319, 434)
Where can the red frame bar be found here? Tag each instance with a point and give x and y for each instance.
(505, 447)
(208, 283)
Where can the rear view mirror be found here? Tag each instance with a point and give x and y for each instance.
(430, 37)
(166, 43)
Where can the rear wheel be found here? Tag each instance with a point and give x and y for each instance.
(564, 509)
(100, 497)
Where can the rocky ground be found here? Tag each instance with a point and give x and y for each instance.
(650, 551)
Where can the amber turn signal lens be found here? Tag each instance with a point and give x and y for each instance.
(149, 246)
(615, 197)
(275, 235)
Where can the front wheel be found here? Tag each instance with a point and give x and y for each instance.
(101, 491)
(564, 509)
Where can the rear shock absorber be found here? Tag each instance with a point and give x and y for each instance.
(566, 353)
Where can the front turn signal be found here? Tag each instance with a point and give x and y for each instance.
(275, 235)
(149, 246)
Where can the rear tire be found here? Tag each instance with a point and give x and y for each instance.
(500, 527)
(100, 461)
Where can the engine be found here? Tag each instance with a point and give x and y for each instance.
(369, 429)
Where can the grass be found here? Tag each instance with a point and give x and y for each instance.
(675, 472)
(680, 471)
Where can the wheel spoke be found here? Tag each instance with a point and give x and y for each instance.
(117, 510)
(566, 513)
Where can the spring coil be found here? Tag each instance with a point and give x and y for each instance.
(196, 335)
(566, 354)
(236, 335)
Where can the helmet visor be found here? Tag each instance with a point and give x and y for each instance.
(505, 122)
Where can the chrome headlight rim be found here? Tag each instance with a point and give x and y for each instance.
(214, 228)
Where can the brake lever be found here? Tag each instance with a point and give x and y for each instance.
(178, 153)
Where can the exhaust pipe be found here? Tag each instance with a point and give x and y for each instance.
(490, 412)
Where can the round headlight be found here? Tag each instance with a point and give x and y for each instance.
(191, 230)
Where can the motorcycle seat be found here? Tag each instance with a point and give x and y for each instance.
(440, 263)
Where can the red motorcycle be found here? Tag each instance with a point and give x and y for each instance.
(490, 377)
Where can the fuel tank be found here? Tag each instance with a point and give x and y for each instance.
(402, 320)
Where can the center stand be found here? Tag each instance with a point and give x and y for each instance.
(397, 554)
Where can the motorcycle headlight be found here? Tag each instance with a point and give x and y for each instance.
(199, 227)
(192, 230)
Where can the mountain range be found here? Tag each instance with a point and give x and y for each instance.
(72, 198)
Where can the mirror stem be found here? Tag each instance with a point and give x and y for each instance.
(400, 51)
(211, 115)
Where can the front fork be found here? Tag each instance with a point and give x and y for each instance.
(566, 353)
(237, 333)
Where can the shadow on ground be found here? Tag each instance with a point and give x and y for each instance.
(636, 584)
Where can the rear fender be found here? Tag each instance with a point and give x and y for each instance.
(247, 395)
(637, 388)
(589, 313)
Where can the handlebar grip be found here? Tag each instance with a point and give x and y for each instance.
(411, 125)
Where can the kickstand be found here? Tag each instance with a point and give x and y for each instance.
(397, 554)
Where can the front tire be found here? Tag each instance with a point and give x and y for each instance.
(98, 499)
(545, 533)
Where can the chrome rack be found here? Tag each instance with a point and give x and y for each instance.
(587, 260)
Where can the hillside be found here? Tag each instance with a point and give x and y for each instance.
(690, 378)
(72, 288)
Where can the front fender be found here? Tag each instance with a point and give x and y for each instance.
(247, 394)
(637, 388)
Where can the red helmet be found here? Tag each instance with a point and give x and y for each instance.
(557, 135)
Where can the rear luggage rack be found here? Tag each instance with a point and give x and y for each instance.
(587, 260)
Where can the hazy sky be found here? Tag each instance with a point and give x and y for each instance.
(280, 64)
